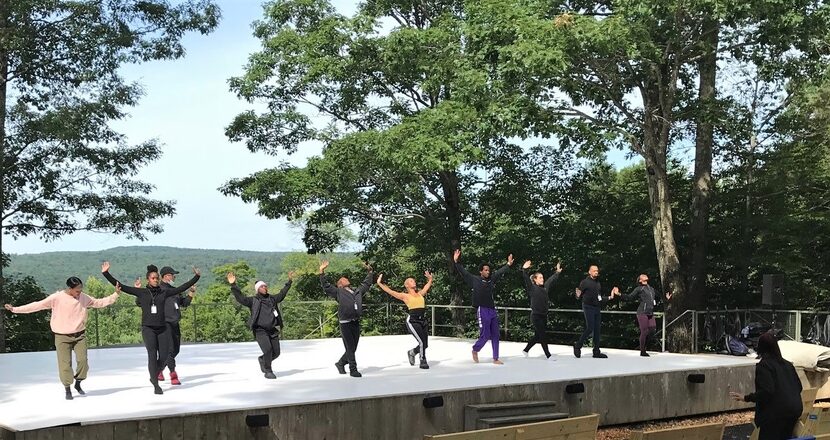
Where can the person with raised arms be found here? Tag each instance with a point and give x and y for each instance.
(538, 289)
(154, 329)
(349, 309)
(483, 286)
(416, 320)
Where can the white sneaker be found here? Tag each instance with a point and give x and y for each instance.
(524, 353)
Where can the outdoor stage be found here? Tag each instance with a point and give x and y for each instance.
(222, 384)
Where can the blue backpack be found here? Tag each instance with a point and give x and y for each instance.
(735, 347)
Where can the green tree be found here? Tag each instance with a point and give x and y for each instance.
(27, 332)
(400, 152)
(63, 167)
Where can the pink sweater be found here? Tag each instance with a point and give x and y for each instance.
(68, 313)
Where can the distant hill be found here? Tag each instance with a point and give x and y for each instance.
(51, 269)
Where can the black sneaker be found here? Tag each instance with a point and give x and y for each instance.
(156, 388)
(577, 351)
(68, 393)
(411, 355)
(600, 355)
(341, 368)
(424, 364)
(262, 364)
(355, 373)
(270, 375)
(78, 388)
(644, 354)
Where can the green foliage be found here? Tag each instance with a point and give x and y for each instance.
(26, 332)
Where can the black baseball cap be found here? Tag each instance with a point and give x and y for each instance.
(167, 270)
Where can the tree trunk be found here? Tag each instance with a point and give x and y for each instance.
(654, 150)
(4, 73)
(452, 200)
(702, 184)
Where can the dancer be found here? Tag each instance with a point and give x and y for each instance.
(68, 322)
(154, 330)
(484, 287)
(172, 315)
(592, 301)
(777, 393)
(349, 309)
(416, 322)
(537, 290)
(265, 321)
(645, 311)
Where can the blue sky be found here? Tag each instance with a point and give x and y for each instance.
(187, 107)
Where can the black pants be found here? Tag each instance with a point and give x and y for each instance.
(416, 323)
(593, 321)
(540, 329)
(175, 344)
(350, 331)
(777, 430)
(157, 343)
(269, 343)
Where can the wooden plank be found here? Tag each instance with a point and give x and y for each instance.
(48, 434)
(171, 428)
(220, 426)
(573, 428)
(125, 431)
(192, 428)
(149, 429)
(711, 431)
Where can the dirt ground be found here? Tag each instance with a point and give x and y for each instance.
(739, 425)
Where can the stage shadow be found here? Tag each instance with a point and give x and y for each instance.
(109, 391)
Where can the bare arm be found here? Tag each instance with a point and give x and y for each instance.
(428, 285)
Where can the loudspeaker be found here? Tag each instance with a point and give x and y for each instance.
(433, 402)
(575, 388)
(773, 290)
(696, 378)
(257, 421)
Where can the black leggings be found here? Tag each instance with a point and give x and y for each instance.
(417, 325)
(350, 331)
(540, 328)
(157, 343)
(269, 343)
(175, 344)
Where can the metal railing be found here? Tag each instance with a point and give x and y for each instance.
(119, 324)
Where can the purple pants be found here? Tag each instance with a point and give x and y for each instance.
(488, 330)
(647, 326)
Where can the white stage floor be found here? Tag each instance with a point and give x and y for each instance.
(226, 377)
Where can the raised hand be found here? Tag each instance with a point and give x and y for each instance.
(526, 265)
(615, 292)
(668, 296)
(118, 288)
(231, 278)
(578, 292)
(510, 260)
(191, 291)
(324, 265)
(8, 307)
(137, 283)
(291, 275)
(456, 255)
(380, 279)
(558, 266)
(428, 274)
(105, 266)
(197, 271)
(367, 266)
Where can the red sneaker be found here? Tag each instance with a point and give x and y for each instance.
(174, 378)
(161, 376)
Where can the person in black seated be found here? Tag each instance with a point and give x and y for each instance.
(777, 393)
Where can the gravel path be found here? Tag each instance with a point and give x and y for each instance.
(738, 425)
